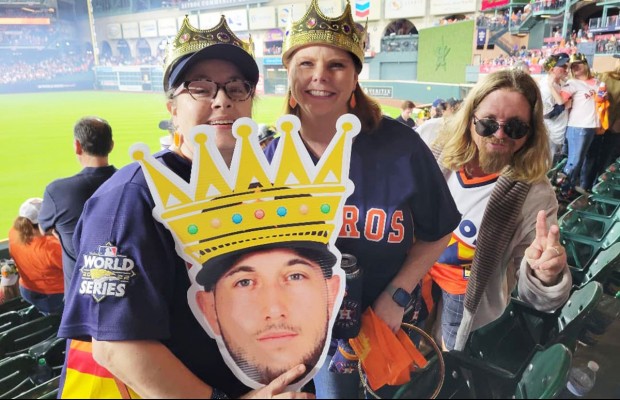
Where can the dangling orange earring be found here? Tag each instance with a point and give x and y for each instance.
(177, 139)
(352, 102)
(292, 102)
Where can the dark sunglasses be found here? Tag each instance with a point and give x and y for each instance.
(514, 128)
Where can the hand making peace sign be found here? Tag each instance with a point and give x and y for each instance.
(546, 256)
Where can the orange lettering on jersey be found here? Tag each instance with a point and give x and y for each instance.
(398, 230)
(375, 217)
(350, 217)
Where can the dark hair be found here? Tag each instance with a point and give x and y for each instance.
(25, 228)
(213, 270)
(94, 135)
(407, 104)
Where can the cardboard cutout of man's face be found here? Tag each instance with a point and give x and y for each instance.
(272, 311)
(274, 306)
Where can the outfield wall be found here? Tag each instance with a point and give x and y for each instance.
(149, 78)
(79, 81)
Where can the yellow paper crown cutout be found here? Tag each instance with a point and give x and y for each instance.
(223, 210)
(317, 28)
(190, 39)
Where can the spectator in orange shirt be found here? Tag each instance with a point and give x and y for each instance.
(39, 260)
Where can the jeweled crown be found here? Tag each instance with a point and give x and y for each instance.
(317, 28)
(190, 39)
(222, 210)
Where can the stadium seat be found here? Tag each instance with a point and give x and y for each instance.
(21, 338)
(15, 375)
(587, 262)
(546, 375)
(14, 304)
(543, 376)
(11, 319)
(47, 390)
(511, 340)
(606, 189)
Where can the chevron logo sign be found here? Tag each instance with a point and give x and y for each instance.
(362, 8)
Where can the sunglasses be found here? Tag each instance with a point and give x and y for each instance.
(514, 128)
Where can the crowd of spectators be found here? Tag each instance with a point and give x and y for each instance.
(531, 57)
(45, 70)
(27, 36)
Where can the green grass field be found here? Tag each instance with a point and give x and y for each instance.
(37, 135)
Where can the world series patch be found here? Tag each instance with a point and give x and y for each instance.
(106, 273)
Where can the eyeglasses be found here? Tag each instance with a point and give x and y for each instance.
(514, 128)
(236, 89)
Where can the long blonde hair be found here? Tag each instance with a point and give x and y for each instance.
(589, 73)
(531, 163)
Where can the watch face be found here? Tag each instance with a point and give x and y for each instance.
(401, 297)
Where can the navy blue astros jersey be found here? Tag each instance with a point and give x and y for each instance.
(400, 194)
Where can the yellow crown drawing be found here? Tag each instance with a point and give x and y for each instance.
(190, 40)
(253, 203)
(316, 28)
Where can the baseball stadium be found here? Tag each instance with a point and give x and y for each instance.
(485, 219)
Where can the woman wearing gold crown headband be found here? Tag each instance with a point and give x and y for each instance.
(128, 297)
(398, 186)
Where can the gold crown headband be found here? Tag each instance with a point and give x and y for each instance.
(317, 28)
(220, 211)
(190, 40)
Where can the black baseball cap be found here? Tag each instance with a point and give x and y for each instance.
(562, 59)
(213, 269)
(220, 51)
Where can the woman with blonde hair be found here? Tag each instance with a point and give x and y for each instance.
(494, 154)
(39, 260)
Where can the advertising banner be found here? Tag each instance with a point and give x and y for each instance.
(363, 9)
(440, 7)
(262, 18)
(131, 30)
(487, 4)
(396, 9)
(167, 27)
(148, 28)
(481, 38)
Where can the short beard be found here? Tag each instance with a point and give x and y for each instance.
(494, 162)
(265, 374)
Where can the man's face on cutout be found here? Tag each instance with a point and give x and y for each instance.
(272, 310)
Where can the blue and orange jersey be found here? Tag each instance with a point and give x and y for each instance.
(471, 195)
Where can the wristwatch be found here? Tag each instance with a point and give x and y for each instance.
(399, 295)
